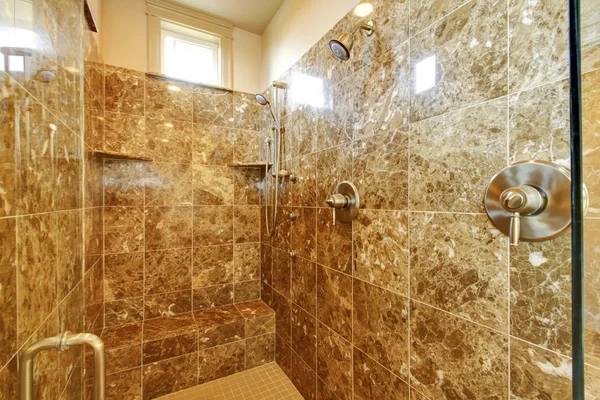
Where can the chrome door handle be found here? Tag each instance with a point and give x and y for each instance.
(62, 342)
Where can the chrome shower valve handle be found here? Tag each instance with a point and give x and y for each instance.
(344, 203)
(521, 201)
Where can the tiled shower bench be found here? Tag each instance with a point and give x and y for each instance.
(160, 356)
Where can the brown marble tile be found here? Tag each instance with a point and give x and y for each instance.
(124, 182)
(170, 347)
(283, 316)
(590, 97)
(260, 350)
(281, 272)
(423, 14)
(334, 300)
(454, 155)
(304, 285)
(221, 361)
(336, 120)
(68, 170)
(123, 229)
(162, 101)
(260, 318)
(124, 133)
(453, 358)
(385, 99)
(219, 325)
(8, 281)
(591, 179)
(324, 392)
(304, 130)
(304, 336)
(246, 111)
(304, 378)
(591, 292)
(381, 249)
(246, 291)
(168, 227)
(540, 276)
(246, 261)
(458, 263)
(372, 381)
(169, 140)
(124, 91)
(247, 186)
(69, 251)
(164, 327)
(213, 145)
(471, 42)
(212, 296)
(213, 185)
(123, 276)
(334, 362)
(36, 275)
(125, 311)
(124, 385)
(8, 171)
(246, 145)
(213, 265)
(213, 225)
(9, 380)
(536, 373)
(381, 170)
(167, 304)
(543, 109)
(168, 185)
(380, 326)
(94, 179)
(213, 106)
(283, 355)
(334, 242)
(170, 375)
(333, 166)
(304, 233)
(121, 359)
(246, 224)
(304, 192)
(266, 293)
(93, 235)
(282, 236)
(538, 32)
(167, 271)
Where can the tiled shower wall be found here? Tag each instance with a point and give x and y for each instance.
(42, 195)
(181, 232)
(421, 296)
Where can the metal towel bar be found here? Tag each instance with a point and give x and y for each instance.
(62, 342)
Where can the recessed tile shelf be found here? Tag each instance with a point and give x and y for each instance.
(120, 156)
(249, 165)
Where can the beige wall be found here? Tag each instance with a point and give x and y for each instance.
(296, 27)
(125, 43)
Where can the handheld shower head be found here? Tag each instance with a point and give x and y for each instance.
(342, 46)
(260, 99)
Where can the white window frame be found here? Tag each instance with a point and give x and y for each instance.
(160, 12)
(164, 32)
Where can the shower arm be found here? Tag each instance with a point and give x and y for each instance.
(369, 29)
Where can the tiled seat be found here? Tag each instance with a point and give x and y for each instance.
(167, 354)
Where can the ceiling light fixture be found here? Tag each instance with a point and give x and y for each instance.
(364, 9)
(174, 88)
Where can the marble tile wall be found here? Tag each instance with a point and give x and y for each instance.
(421, 297)
(181, 226)
(43, 162)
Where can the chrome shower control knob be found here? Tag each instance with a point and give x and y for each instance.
(344, 203)
(530, 201)
(292, 216)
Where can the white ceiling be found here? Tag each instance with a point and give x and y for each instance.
(250, 15)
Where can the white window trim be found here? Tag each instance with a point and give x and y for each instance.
(161, 10)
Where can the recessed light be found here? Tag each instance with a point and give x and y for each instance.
(364, 9)
(174, 88)
(169, 125)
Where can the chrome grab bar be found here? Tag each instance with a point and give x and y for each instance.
(62, 342)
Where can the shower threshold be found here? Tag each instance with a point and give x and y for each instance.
(267, 382)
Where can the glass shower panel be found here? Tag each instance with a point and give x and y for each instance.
(590, 82)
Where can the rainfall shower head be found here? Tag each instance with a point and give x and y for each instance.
(342, 46)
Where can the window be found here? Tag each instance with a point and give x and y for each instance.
(187, 45)
(190, 57)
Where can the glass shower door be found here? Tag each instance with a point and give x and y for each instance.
(590, 128)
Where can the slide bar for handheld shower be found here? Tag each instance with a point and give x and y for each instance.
(62, 342)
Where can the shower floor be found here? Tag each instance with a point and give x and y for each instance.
(267, 382)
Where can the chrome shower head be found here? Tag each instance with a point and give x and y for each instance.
(342, 46)
(260, 99)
